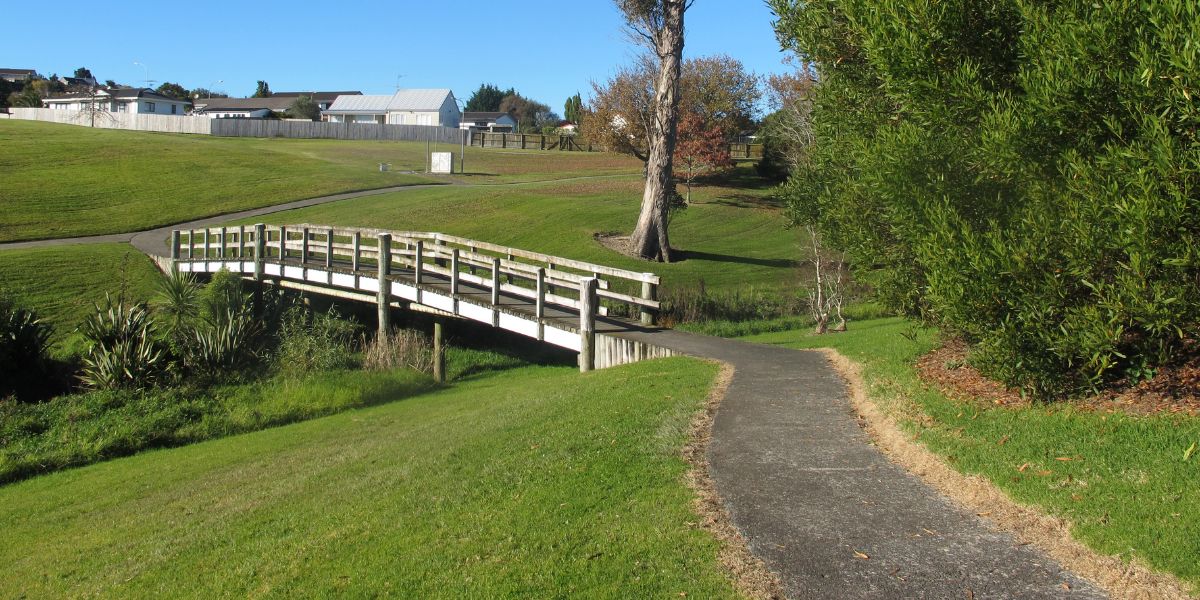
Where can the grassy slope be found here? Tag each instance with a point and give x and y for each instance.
(734, 237)
(64, 283)
(1127, 489)
(64, 180)
(535, 482)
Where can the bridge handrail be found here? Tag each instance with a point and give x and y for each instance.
(470, 253)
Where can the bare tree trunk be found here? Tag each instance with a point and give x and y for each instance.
(649, 239)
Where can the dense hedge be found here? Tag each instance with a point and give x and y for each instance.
(1023, 173)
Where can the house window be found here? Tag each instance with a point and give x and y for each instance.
(174, 109)
(120, 107)
(149, 107)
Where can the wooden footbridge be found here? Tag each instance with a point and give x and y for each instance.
(555, 300)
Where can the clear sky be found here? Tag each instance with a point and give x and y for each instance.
(546, 49)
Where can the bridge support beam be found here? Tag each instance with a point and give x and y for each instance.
(588, 305)
(384, 298)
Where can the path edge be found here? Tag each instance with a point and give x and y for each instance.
(747, 572)
(1123, 580)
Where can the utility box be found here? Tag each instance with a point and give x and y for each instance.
(442, 162)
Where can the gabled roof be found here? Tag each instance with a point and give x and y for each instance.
(484, 116)
(117, 93)
(18, 72)
(413, 100)
(316, 96)
(278, 104)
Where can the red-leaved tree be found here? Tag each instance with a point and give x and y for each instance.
(702, 148)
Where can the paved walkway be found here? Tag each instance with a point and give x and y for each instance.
(803, 483)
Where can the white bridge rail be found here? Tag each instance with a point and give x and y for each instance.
(550, 298)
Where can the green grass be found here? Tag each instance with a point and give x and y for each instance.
(536, 482)
(733, 237)
(63, 284)
(64, 180)
(1127, 489)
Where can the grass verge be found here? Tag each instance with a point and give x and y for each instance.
(532, 482)
(1120, 481)
(64, 180)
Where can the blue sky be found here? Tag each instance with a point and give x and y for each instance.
(546, 49)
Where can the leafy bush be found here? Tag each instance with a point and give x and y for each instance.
(1018, 172)
(315, 341)
(24, 351)
(123, 349)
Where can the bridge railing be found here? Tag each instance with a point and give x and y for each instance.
(539, 277)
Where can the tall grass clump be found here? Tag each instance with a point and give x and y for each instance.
(1021, 173)
(316, 341)
(25, 364)
(399, 349)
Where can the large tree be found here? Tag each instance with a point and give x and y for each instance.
(718, 89)
(1022, 173)
(263, 90)
(173, 90)
(83, 73)
(573, 108)
(303, 107)
(488, 98)
(659, 25)
(531, 115)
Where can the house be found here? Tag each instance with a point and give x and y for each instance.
(15, 75)
(119, 100)
(240, 108)
(78, 83)
(323, 99)
(405, 107)
(565, 127)
(489, 121)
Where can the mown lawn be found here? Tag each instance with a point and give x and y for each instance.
(733, 237)
(64, 284)
(535, 482)
(1126, 489)
(64, 180)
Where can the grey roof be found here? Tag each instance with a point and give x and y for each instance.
(316, 96)
(120, 93)
(415, 100)
(18, 71)
(484, 116)
(278, 104)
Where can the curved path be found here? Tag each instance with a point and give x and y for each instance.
(801, 480)
(805, 486)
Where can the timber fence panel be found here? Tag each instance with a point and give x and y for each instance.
(340, 131)
(111, 120)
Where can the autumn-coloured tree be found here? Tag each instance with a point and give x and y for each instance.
(702, 148)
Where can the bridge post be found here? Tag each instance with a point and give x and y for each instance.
(588, 302)
(439, 354)
(221, 250)
(384, 296)
(454, 272)
(260, 260)
(509, 278)
(357, 252)
(282, 245)
(329, 248)
(191, 244)
(649, 292)
(206, 246)
(242, 243)
(175, 251)
(304, 247)
(540, 309)
(495, 292)
(418, 261)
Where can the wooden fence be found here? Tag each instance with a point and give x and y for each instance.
(111, 120)
(535, 141)
(335, 131)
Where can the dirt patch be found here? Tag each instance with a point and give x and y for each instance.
(1049, 534)
(748, 573)
(1174, 389)
(614, 241)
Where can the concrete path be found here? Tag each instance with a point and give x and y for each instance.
(802, 481)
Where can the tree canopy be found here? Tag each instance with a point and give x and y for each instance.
(1021, 173)
(573, 108)
(83, 73)
(263, 90)
(303, 107)
(488, 98)
(173, 90)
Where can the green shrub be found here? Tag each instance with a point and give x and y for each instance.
(1021, 173)
(25, 365)
(315, 341)
(123, 349)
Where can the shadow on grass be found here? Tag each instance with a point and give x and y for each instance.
(748, 201)
(775, 263)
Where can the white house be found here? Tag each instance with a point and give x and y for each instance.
(15, 75)
(489, 121)
(119, 100)
(405, 107)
